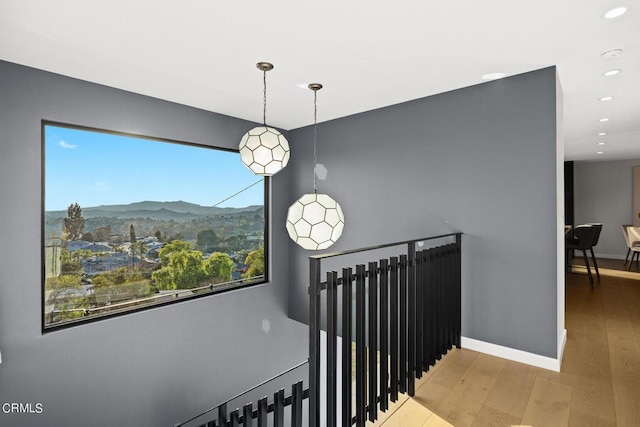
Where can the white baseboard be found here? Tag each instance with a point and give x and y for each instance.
(562, 342)
(517, 355)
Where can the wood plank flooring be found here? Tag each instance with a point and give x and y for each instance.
(599, 384)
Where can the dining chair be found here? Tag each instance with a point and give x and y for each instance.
(625, 233)
(596, 239)
(583, 240)
(633, 236)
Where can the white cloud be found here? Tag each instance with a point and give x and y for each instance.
(64, 144)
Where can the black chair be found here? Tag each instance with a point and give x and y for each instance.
(584, 239)
(598, 227)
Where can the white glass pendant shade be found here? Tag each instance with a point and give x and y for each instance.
(315, 221)
(264, 150)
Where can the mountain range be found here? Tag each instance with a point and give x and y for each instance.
(177, 210)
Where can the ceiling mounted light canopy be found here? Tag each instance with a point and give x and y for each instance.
(315, 221)
(264, 150)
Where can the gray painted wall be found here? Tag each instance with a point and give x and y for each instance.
(151, 368)
(603, 192)
(481, 160)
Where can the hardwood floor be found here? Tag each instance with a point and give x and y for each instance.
(599, 384)
(613, 264)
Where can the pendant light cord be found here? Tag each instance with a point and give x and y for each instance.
(315, 138)
(264, 98)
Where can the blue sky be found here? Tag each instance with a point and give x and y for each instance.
(93, 168)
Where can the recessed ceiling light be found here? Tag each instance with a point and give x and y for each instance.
(304, 86)
(602, 133)
(611, 73)
(615, 12)
(611, 54)
(493, 76)
(602, 143)
(606, 98)
(604, 119)
(600, 152)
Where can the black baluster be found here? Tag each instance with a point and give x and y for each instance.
(384, 334)
(411, 323)
(361, 383)
(393, 333)
(332, 345)
(263, 412)
(314, 342)
(278, 408)
(403, 324)
(297, 396)
(419, 311)
(347, 297)
(247, 415)
(373, 341)
(222, 415)
(235, 418)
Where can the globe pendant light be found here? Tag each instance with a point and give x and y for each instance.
(263, 149)
(315, 221)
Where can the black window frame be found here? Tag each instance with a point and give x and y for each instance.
(213, 291)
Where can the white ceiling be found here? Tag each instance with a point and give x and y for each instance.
(368, 54)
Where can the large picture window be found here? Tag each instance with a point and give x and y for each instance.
(132, 222)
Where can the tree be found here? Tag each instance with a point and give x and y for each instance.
(132, 234)
(102, 234)
(109, 292)
(206, 239)
(183, 270)
(81, 254)
(57, 286)
(73, 224)
(177, 236)
(70, 263)
(255, 262)
(163, 279)
(132, 239)
(63, 281)
(118, 276)
(187, 267)
(236, 242)
(142, 248)
(218, 267)
(170, 248)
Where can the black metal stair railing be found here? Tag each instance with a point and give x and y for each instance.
(269, 410)
(404, 310)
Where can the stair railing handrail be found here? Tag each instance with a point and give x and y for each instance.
(316, 286)
(293, 368)
(386, 245)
